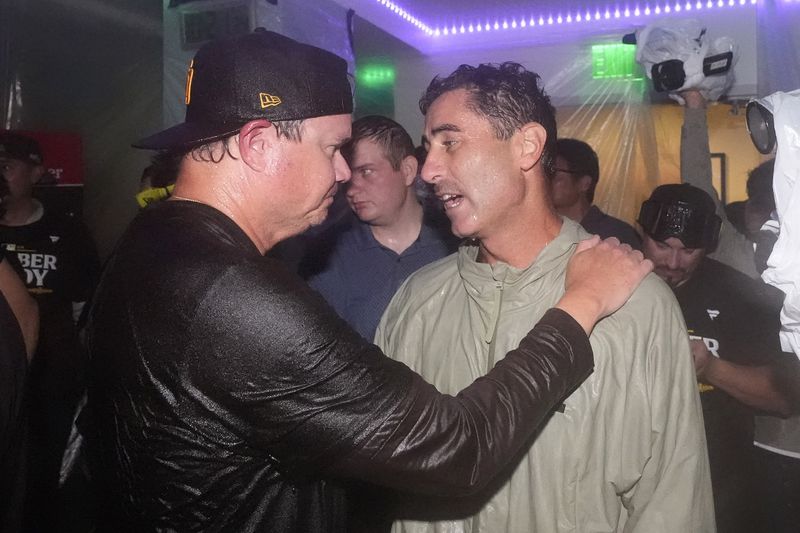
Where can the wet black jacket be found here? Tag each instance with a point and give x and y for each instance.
(227, 396)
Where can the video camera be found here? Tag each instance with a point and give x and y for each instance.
(678, 55)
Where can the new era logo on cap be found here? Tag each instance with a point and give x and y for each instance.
(261, 75)
(268, 100)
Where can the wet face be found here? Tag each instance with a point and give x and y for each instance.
(312, 170)
(674, 262)
(475, 175)
(566, 187)
(377, 192)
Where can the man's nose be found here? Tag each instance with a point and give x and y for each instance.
(431, 170)
(672, 260)
(341, 169)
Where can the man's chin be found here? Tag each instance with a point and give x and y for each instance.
(673, 281)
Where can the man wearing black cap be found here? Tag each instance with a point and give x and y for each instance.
(55, 257)
(734, 340)
(227, 395)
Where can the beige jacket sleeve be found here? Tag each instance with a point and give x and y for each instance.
(674, 490)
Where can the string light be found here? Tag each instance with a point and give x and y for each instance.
(637, 10)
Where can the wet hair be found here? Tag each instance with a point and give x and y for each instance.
(507, 95)
(213, 152)
(386, 133)
(582, 161)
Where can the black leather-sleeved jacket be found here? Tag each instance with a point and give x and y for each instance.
(227, 396)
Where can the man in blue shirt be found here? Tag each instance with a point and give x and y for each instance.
(390, 235)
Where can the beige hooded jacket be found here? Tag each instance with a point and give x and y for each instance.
(628, 452)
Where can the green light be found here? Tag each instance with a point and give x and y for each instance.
(614, 61)
(376, 75)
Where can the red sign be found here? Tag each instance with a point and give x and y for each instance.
(63, 156)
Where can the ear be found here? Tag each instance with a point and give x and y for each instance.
(255, 139)
(38, 173)
(584, 183)
(408, 166)
(532, 138)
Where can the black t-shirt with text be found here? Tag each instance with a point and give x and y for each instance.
(736, 319)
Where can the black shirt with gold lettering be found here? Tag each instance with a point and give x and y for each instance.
(736, 318)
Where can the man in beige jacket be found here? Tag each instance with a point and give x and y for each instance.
(626, 450)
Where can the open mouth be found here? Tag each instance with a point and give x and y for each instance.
(450, 201)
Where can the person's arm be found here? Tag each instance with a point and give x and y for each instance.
(321, 400)
(733, 249)
(22, 304)
(763, 387)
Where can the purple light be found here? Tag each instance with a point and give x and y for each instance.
(560, 18)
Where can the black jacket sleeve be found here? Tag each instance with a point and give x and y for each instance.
(280, 369)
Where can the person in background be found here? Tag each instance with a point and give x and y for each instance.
(572, 187)
(226, 394)
(158, 179)
(758, 210)
(734, 248)
(733, 329)
(390, 236)
(54, 255)
(625, 451)
(19, 329)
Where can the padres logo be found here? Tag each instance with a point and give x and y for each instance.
(268, 100)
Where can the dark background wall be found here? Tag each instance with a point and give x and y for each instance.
(92, 67)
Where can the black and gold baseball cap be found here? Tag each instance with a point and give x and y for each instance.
(261, 75)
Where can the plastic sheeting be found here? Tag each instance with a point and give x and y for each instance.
(688, 41)
(783, 265)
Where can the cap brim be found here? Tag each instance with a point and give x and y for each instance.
(186, 135)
